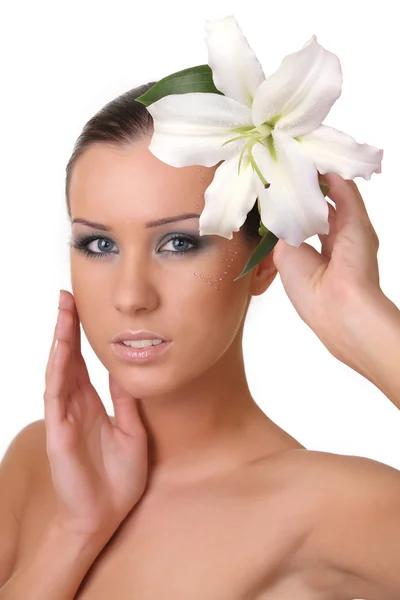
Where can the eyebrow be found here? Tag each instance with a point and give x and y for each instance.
(148, 225)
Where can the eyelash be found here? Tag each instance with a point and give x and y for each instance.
(81, 244)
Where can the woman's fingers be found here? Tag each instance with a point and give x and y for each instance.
(352, 244)
(328, 240)
(58, 369)
(82, 374)
(58, 333)
(51, 353)
(340, 190)
(125, 409)
(78, 371)
(351, 212)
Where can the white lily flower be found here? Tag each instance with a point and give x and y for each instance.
(266, 131)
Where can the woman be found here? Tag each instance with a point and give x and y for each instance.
(191, 491)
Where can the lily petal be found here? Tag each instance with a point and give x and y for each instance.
(237, 72)
(293, 207)
(301, 92)
(335, 152)
(189, 129)
(228, 198)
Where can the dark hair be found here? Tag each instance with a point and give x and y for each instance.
(124, 121)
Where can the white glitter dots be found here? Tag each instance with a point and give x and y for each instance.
(213, 281)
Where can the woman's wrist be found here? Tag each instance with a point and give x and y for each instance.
(373, 335)
(97, 538)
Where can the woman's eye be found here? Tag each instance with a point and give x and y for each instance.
(178, 244)
(100, 246)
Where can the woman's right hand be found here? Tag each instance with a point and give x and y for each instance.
(99, 469)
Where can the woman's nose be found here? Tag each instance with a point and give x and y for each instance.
(135, 288)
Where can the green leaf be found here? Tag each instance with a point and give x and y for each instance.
(194, 79)
(265, 246)
(324, 187)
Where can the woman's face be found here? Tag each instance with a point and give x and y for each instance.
(146, 274)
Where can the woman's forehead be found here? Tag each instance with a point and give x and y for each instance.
(131, 182)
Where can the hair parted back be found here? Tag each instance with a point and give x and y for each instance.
(123, 121)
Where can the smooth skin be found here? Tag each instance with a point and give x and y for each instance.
(189, 420)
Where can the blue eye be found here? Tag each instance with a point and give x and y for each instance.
(180, 244)
(82, 245)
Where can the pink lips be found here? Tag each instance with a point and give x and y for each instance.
(140, 355)
(138, 335)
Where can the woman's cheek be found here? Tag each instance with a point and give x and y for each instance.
(223, 270)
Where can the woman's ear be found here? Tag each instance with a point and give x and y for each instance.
(262, 275)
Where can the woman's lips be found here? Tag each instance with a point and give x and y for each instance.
(140, 355)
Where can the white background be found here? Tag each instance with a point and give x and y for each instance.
(61, 62)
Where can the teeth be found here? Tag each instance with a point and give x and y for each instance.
(142, 343)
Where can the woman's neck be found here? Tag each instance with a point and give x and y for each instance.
(205, 427)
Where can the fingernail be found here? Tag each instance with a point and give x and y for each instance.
(59, 299)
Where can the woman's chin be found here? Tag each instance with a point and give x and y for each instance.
(147, 385)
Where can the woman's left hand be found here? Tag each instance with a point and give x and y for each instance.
(327, 289)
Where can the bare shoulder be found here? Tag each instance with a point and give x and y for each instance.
(23, 452)
(346, 478)
(337, 484)
(17, 468)
(30, 458)
(348, 468)
(352, 546)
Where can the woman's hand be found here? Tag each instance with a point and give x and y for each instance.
(328, 289)
(99, 469)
